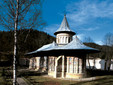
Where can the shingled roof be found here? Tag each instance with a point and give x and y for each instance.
(75, 45)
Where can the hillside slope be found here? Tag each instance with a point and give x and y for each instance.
(27, 41)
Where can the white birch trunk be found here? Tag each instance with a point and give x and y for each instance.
(15, 46)
(88, 61)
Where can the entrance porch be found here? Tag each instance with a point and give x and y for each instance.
(66, 66)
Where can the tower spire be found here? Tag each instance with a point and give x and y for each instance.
(64, 27)
(64, 33)
(64, 13)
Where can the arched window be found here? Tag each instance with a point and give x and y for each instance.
(62, 39)
(68, 39)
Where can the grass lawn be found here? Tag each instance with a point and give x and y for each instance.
(1, 77)
(39, 80)
(4, 80)
(104, 80)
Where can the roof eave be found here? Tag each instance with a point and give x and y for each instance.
(70, 32)
(71, 52)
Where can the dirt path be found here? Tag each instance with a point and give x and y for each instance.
(21, 81)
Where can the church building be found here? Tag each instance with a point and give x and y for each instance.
(65, 58)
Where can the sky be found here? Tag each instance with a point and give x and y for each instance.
(88, 18)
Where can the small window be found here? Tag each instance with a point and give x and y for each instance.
(66, 40)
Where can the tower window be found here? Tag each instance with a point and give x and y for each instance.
(68, 39)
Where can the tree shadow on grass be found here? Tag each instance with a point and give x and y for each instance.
(49, 83)
(102, 81)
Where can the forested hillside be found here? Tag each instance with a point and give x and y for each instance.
(31, 40)
(106, 52)
(27, 40)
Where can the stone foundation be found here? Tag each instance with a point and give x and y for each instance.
(68, 75)
(52, 73)
(73, 75)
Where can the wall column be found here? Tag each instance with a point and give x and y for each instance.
(75, 61)
(47, 63)
(37, 63)
(73, 65)
(55, 75)
(67, 64)
(30, 63)
(63, 66)
(78, 66)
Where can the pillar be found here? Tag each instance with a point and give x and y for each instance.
(36, 63)
(55, 75)
(67, 64)
(73, 65)
(47, 63)
(78, 66)
(63, 66)
(30, 63)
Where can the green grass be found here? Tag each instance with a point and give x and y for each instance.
(39, 80)
(1, 77)
(4, 80)
(104, 80)
(42, 80)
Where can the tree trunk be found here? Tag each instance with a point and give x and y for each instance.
(89, 62)
(94, 64)
(109, 64)
(15, 46)
(84, 66)
(105, 65)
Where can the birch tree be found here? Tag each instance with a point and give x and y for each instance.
(108, 40)
(20, 14)
(89, 41)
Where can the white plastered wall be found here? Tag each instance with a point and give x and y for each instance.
(63, 38)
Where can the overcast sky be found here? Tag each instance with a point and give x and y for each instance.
(88, 18)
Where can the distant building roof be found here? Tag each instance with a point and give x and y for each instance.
(64, 27)
(74, 45)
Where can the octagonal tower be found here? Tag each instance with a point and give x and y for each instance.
(64, 34)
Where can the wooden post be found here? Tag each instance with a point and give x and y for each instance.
(63, 66)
